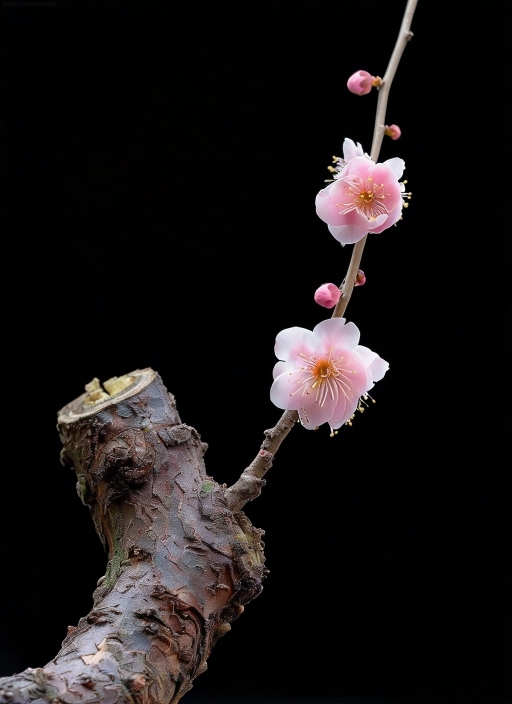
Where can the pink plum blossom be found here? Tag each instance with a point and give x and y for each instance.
(323, 373)
(393, 131)
(360, 82)
(364, 197)
(327, 295)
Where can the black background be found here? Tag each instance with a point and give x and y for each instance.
(160, 165)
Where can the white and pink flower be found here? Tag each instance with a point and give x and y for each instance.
(364, 197)
(323, 373)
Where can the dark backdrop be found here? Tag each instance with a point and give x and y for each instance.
(160, 165)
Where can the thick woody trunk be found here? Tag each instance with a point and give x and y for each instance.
(182, 563)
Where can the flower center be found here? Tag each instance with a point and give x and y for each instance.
(365, 196)
(322, 370)
(326, 377)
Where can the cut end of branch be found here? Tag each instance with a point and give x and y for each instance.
(96, 393)
(98, 396)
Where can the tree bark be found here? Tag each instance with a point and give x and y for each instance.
(182, 563)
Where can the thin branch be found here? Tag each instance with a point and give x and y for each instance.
(251, 481)
(404, 36)
(350, 278)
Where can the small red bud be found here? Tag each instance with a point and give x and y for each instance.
(360, 278)
(393, 131)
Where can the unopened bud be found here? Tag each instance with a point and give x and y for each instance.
(360, 278)
(327, 295)
(360, 83)
(393, 131)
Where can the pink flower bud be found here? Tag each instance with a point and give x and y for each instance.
(360, 82)
(393, 131)
(360, 278)
(327, 295)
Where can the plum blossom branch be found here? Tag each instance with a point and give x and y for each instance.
(249, 485)
(404, 36)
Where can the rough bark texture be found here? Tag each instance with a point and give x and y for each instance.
(181, 563)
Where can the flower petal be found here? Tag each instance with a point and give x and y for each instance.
(392, 218)
(345, 412)
(282, 389)
(378, 368)
(348, 234)
(379, 223)
(397, 165)
(328, 206)
(355, 371)
(292, 391)
(350, 150)
(291, 341)
(334, 332)
(312, 413)
(358, 166)
(280, 368)
(367, 354)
